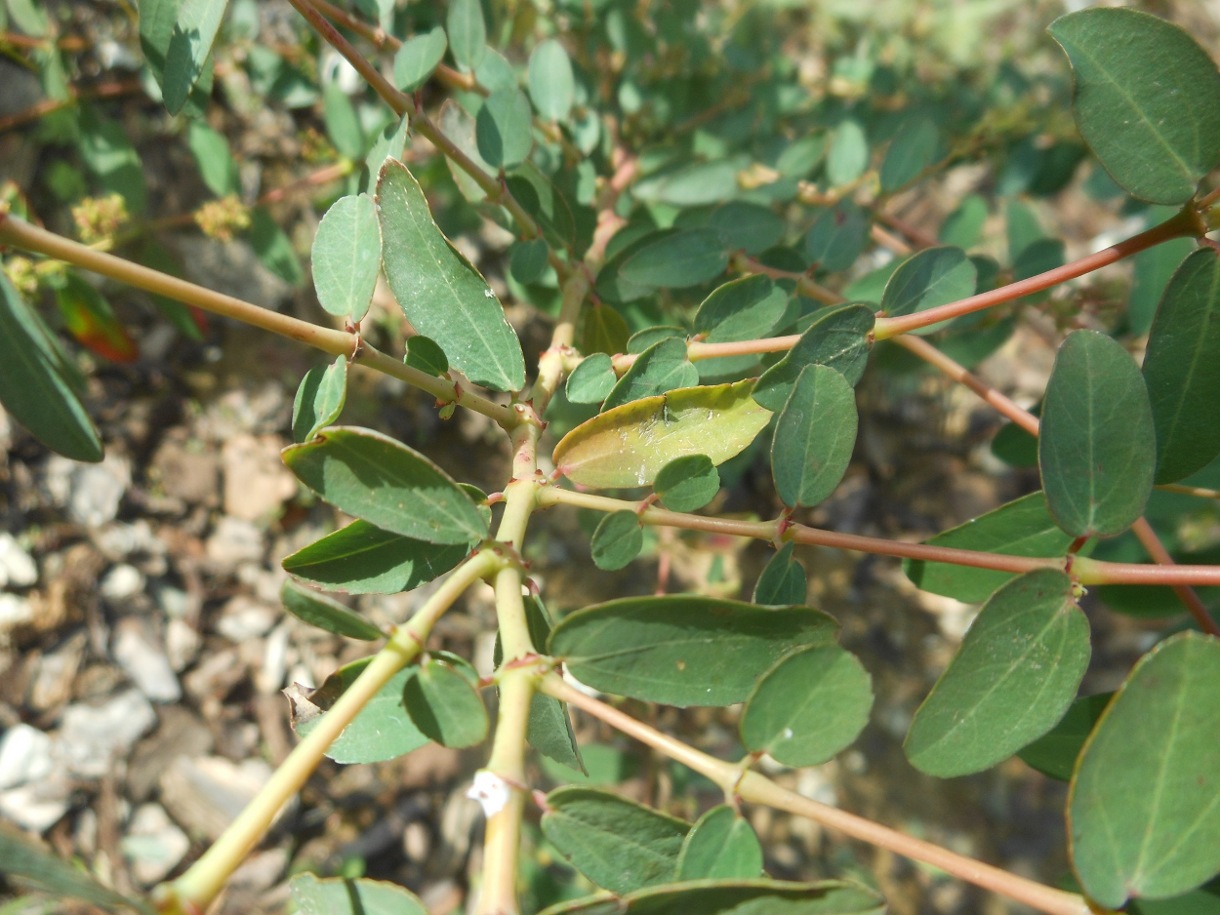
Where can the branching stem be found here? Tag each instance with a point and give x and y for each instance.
(756, 788)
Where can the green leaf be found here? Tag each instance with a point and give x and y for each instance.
(504, 128)
(592, 380)
(659, 369)
(1146, 100)
(837, 236)
(691, 183)
(1022, 527)
(964, 226)
(319, 399)
(932, 277)
(848, 155)
(417, 60)
(815, 434)
(528, 260)
(1152, 269)
(108, 153)
(1142, 817)
(382, 730)
(721, 845)
(749, 226)
(552, 85)
(687, 483)
(377, 479)
(1097, 445)
(346, 257)
(617, 540)
(742, 309)
(28, 864)
(330, 615)
(1181, 369)
(441, 294)
(838, 337)
(273, 247)
(38, 384)
(1013, 678)
(678, 259)
(363, 559)
(604, 330)
(733, 897)
(628, 446)
(915, 146)
(617, 844)
(683, 650)
(389, 144)
(444, 703)
(342, 122)
(808, 707)
(424, 354)
(1055, 752)
(177, 37)
(467, 32)
(783, 581)
(343, 896)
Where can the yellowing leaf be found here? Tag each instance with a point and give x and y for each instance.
(628, 446)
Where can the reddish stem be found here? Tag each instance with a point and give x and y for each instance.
(1185, 223)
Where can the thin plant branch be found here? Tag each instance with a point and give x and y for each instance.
(756, 788)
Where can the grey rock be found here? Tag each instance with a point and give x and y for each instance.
(17, 568)
(144, 661)
(91, 737)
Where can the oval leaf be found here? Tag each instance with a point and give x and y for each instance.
(346, 257)
(628, 446)
(373, 477)
(592, 380)
(504, 128)
(683, 650)
(808, 707)
(1023, 527)
(935, 276)
(1055, 752)
(1142, 813)
(720, 846)
(1011, 681)
(330, 615)
(1181, 369)
(418, 59)
(660, 368)
(838, 337)
(177, 38)
(37, 385)
(552, 85)
(814, 437)
(837, 236)
(363, 559)
(1097, 444)
(675, 260)
(444, 704)
(617, 844)
(467, 32)
(441, 294)
(688, 483)
(617, 540)
(1146, 100)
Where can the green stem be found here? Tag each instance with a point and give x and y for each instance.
(1183, 224)
(18, 232)
(198, 887)
(756, 788)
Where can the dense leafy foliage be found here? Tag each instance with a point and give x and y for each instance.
(717, 255)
